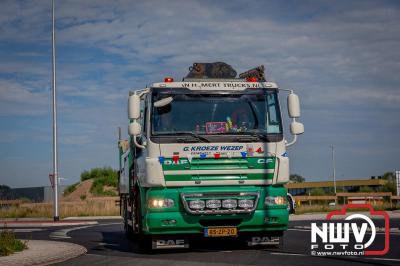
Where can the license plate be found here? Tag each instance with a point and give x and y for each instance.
(220, 231)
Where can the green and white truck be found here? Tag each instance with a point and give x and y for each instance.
(206, 157)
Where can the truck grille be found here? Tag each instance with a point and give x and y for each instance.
(220, 203)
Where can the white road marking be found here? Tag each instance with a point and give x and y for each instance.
(388, 259)
(288, 254)
(63, 233)
(296, 229)
(25, 230)
(108, 244)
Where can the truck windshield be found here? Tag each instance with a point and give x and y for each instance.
(255, 112)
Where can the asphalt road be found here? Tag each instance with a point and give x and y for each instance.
(107, 245)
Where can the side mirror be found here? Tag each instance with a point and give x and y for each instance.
(293, 104)
(296, 128)
(134, 106)
(135, 129)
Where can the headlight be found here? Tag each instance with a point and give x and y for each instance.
(269, 201)
(246, 204)
(197, 204)
(213, 204)
(161, 203)
(229, 204)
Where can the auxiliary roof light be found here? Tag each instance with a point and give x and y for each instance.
(168, 79)
(251, 79)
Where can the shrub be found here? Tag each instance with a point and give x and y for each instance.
(9, 244)
(95, 173)
(102, 177)
(366, 189)
(97, 188)
(85, 175)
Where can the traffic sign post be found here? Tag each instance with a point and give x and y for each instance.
(51, 177)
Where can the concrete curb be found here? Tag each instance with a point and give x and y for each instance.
(41, 252)
(93, 218)
(44, 223)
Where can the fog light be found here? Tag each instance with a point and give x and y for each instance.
(213, 204)
(280, 200)
(275, 200)
(229, 204)
(197, 204)
(246, 204)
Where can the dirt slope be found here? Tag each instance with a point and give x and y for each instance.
(82, 189)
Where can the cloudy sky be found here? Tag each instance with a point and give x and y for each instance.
(342, 58)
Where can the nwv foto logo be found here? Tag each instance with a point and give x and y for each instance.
(354, 234)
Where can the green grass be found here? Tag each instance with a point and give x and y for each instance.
(98, 172)
(107, 177)
(98, 185)
(9, 244)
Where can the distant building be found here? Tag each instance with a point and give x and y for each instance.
(304, 188)
(34, 194)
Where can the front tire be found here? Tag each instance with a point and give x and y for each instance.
(143, 240)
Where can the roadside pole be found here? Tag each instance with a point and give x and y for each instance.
(334, 172)
(55, 159)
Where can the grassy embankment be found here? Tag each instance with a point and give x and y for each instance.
(105, 182)
(94, 195)
(87, 207)
(9, 244)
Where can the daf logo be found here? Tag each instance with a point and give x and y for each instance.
(170, 242)
(257, 239)
(170, 162)
(265, 161)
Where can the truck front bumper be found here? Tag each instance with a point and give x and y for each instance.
(177, 220)
(182, 223)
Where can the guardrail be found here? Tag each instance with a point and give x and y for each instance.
(346, 196)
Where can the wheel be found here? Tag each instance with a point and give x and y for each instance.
(143, 241)
(128, 228)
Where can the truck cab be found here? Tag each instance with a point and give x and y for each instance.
(206, 157)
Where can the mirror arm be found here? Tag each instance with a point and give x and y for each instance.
(139, 92)
(137, 144)
(288, 144)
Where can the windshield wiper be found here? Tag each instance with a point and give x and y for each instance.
(247, 136)
(189, 133)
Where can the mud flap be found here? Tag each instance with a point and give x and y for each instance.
(169, 242)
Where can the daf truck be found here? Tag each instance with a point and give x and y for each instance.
(207, 157)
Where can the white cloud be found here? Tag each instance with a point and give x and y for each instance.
(338, 56)
(16, 99)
